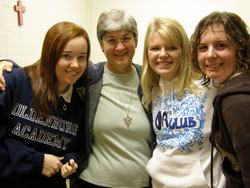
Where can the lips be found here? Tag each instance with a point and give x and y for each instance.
(72, 73)
(214, 66)
(121, 55)
(164, 63)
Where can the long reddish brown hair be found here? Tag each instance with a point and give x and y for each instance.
(42, 73)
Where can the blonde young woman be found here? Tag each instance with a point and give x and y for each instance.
(181, 108)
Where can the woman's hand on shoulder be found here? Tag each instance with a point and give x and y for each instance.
(4, 66)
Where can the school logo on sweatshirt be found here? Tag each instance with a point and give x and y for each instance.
(179, 122)
(52, 131)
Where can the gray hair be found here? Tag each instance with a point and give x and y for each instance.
(115, 20)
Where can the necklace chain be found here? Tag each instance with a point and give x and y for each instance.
(64, 104)
(127, 119)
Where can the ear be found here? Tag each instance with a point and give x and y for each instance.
(101, 46)
(136, 42)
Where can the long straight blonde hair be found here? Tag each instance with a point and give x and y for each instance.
(174, 34)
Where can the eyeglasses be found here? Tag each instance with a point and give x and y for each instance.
(114, 42)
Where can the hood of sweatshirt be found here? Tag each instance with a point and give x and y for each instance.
(234, 86)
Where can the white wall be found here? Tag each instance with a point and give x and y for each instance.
(187, 12)
(23, 44)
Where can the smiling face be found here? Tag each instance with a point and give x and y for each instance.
(216, 54)
(72, 63)
(165, 60)
(119, 49)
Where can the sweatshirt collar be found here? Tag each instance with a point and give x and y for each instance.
(165, 83)
(67, 94)
(216, 83)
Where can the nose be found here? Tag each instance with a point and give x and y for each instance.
(74, 63)
(119, 46)
(211, 52)
(163, 53)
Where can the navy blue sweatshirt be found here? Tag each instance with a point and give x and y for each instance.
(25, 137)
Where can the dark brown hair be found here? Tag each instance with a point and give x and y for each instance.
(235, 28)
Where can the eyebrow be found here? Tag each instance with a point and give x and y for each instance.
(125, 34)
(216, 41)
(71, 52)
